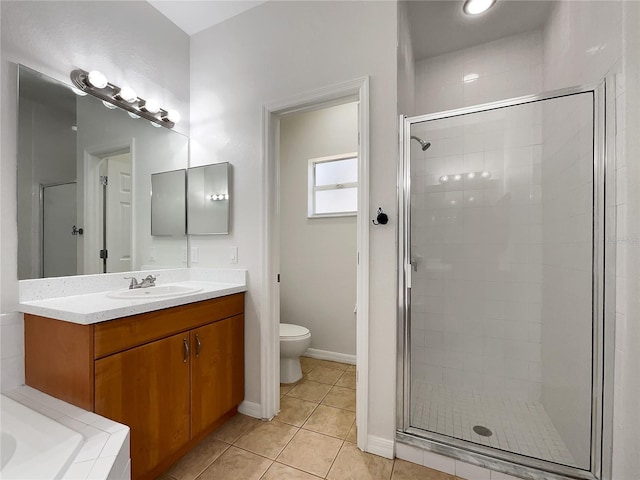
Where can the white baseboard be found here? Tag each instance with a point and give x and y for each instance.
(380, 446)
(333, 356)
(250, 409)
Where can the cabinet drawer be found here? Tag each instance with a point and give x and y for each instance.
(118, 335)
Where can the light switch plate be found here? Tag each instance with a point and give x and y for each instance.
(233, 254)
(195, 254)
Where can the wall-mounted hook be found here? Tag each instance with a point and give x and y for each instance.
(381, 218)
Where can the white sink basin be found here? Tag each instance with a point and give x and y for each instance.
(154, 292)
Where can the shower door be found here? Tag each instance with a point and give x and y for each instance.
(501, 285)
(59, 242)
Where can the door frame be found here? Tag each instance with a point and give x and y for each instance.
(358, 90)
(93, 155)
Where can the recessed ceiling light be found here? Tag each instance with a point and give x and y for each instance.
(475, 7)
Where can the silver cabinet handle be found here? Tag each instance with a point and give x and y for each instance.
(186, 350)
(198, 345)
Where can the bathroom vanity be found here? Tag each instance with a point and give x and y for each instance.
(172, 375)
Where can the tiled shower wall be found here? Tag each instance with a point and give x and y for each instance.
(505, 68)
(476, 249)
(476, 292)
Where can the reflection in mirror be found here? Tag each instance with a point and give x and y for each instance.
(84, 177)
(208, 199)
(168, 209)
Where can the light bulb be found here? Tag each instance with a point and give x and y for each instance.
(151, 106)
(471, 175)
(444, 178)
(133, 115)
(226, 196)
(457, 177)
(97, 79)
(155, 124)
(485, 174)
(470, 77)
(127, 94)
(475, 7)
(173, 116)
(110, 106)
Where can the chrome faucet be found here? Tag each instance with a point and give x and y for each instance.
(148, 281)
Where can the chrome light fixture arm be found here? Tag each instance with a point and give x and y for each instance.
(110, 93)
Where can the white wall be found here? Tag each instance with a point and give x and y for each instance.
(318, 255)
(54, 38)
(271, 52)
(626, 441)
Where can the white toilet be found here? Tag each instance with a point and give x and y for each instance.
(294, 341)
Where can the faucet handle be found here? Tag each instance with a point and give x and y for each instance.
(134, 282)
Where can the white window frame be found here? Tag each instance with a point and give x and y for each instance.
(312, 188)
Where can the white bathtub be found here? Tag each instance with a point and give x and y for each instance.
(34, 446)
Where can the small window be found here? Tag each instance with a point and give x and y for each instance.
(333, 186)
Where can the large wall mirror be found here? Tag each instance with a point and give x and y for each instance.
(84, 184)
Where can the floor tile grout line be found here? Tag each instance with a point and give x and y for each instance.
(334, 459)
(214, 460)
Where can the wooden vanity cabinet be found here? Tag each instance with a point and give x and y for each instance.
(171, 375)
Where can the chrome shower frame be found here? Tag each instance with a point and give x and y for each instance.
(603, 309)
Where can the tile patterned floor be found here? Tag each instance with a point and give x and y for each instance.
(518, 426)
(312, 437)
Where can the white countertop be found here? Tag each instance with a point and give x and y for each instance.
(96, 306)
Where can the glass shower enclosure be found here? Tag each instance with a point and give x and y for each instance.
(501, 282)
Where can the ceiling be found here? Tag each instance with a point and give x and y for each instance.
(193, 16)
(439, 27)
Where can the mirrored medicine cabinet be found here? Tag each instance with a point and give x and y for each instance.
(195, 200)
(208, 199)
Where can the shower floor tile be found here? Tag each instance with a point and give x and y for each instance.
(519, 426)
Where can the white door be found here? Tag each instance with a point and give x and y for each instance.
(59, 245)
(119, 213)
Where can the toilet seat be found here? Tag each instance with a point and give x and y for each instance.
(289, 331)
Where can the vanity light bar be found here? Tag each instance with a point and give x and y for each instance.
(97, 85)
(217, 197)
(456, 177)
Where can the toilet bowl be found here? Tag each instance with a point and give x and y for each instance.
(294, 341)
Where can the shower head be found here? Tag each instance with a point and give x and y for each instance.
(423, 144)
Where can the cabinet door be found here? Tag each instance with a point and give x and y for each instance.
(147, 388)
(217, 371)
